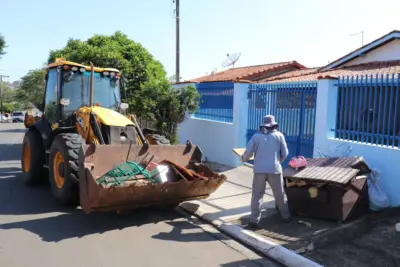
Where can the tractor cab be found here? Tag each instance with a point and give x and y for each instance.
(68, 89)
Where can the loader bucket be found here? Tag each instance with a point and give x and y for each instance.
(190, 178)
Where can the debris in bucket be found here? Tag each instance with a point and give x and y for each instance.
(149, 172)
(185, 173)
(151, 165)
(160, 174)
(128, 170)
(157, 175)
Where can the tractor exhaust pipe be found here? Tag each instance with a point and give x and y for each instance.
(91, 84)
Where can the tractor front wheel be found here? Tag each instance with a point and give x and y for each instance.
(64, 167)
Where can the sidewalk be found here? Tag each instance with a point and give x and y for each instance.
(228, 208)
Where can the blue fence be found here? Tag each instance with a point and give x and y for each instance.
(368, 109)
(216, 101)
(293, 106)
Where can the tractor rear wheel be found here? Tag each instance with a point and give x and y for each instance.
(33, 158)
(64, 168)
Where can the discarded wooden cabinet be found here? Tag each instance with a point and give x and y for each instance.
(328, 188)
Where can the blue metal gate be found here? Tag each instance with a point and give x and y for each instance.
(293, 106)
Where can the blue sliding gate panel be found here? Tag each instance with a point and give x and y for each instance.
(294, 107)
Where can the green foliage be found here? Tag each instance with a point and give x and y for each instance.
(32, 89)
(172, 79)
(172, 108)
(147, 88)
(8, 107)
(10, 100)
(2, 45)
(8, 94)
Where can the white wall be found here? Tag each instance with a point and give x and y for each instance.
(386, 160)
(214, 138)
(217, 139)
(389, 51)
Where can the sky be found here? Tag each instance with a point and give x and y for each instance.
(313, 32)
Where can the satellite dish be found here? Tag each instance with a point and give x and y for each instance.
(213, 71)
(231, 60)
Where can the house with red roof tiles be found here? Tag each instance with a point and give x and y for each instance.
(349, 107)
(380, 56)
(250, 73)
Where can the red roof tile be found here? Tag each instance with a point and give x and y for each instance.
(250, 72)
(372, 68)
(291, 74)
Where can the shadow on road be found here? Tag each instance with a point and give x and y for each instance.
(10, 152)
(18, 199)
(77, 224)
(31, 202)
(38, 212)
(13, 131)
(177, 233)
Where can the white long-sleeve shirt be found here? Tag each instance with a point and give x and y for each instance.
(269, 149)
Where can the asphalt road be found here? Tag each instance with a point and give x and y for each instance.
(35, 231)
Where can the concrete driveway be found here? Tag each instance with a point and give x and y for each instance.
(35, 231)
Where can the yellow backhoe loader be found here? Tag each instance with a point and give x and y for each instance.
(96, 157)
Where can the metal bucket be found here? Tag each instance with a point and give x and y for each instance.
(97, 160)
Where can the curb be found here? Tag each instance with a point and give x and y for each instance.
(227, 240)
(270, 249)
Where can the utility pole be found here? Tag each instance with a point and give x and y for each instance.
(177, 70)
(1, 95)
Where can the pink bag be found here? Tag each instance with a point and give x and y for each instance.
(298, 162)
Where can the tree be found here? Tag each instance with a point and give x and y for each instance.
(172, 79)
(145, 84)
(174, 107)
(32, 88)
(10, 101)
(2, 45)
(117, 51)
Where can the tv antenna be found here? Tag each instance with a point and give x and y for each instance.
(362, 36)
(231, 60)
(213, 71)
